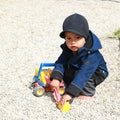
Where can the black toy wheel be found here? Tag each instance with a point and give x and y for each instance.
(38, 91)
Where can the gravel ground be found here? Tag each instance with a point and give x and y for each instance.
(29, 35)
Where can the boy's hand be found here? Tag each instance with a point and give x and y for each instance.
(55, 84)
(65, 98)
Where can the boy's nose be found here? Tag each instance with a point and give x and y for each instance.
(73, 40)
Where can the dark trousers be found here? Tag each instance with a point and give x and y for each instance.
(89, 89)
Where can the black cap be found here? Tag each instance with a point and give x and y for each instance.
(77, 24)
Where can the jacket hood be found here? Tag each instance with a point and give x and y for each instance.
(93, 42)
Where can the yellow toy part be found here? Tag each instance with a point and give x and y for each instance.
(36, 71)
(61, 90)
(42, 76)
(49, 71)
(46, 72)
(65, 107)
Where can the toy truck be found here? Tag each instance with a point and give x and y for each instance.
(42, 81)
(41, 85)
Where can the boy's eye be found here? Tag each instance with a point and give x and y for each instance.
(75, 38)
(78, 37)
(67, 38)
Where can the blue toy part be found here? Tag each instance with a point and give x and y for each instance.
(40, 70)
(38, 81)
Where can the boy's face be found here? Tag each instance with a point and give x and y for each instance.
(74, 41)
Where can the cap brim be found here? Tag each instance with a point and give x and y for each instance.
(62, 34)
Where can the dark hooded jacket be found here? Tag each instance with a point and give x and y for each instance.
(84, 64)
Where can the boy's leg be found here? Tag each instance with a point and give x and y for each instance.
(89, 90)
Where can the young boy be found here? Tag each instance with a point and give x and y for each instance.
(81, 66)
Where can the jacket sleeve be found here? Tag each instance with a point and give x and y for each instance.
(85, 72)
(58, 70)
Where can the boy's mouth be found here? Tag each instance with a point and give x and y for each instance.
(74, 48)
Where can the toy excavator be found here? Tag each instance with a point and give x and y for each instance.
(42, 82)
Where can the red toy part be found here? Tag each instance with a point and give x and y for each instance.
(47, 88)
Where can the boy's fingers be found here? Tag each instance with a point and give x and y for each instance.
(62, 101)
(54, 87)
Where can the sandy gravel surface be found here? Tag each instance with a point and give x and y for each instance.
(29, 35)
